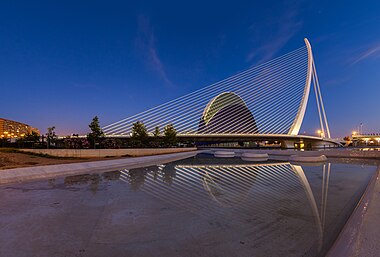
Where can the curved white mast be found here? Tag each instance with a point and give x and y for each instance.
(311, 76)
(295, 128)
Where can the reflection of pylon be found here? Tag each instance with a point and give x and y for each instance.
(325, 189)
(309, 194)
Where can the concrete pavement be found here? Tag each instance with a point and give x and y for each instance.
(49, 171)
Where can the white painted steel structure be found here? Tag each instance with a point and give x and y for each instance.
(276, 94)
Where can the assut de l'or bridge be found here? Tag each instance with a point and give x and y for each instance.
(265, 102)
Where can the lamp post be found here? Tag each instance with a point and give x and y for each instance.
(320, 133)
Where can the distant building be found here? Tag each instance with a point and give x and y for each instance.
(13, 129)
(369, 139)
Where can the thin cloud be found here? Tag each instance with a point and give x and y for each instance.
(371, 52)
(281, 31)
(146, 41)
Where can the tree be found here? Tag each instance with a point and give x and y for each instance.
(156, 142)
(3, 141)
(51, 137)
(139, 135)
(348, 140)
(170, 135)
(96, 133)
(156, 132)
(32, 137)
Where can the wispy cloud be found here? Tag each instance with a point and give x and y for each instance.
(371, 52)
(146, 42)
(273, 35)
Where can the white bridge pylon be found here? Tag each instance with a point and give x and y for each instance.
(268, 99)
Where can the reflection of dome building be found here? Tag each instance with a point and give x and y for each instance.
(227, 113)
(237, 191)
(226, 192)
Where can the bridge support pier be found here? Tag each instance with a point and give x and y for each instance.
(322, 145)
(288, 144)
(306, 144)
(297, 144)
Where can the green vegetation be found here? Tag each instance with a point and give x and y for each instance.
(156, 133)
(9, 150)
(75, 143)
(15, 150)
(170, 135)
(31, 137)
(96, 134)
(51, 137)
(156, 140)
(111, 143)
(28, 140)
(139, 137)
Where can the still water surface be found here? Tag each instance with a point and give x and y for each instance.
(199, 206)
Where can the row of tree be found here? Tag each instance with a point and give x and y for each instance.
(141, 138)
(96, 138)
(32, 138)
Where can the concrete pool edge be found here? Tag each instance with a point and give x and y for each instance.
(347, 242)
(123, 152)
(26, 174)
(285, 154)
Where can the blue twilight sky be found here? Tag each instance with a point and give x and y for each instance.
(63, 62)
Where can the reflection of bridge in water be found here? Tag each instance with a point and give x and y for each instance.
(206, 206)
(240, 193)
(265, 102)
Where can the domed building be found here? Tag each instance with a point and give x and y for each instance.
(227, 113)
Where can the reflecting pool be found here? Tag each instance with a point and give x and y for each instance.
(200, 206)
